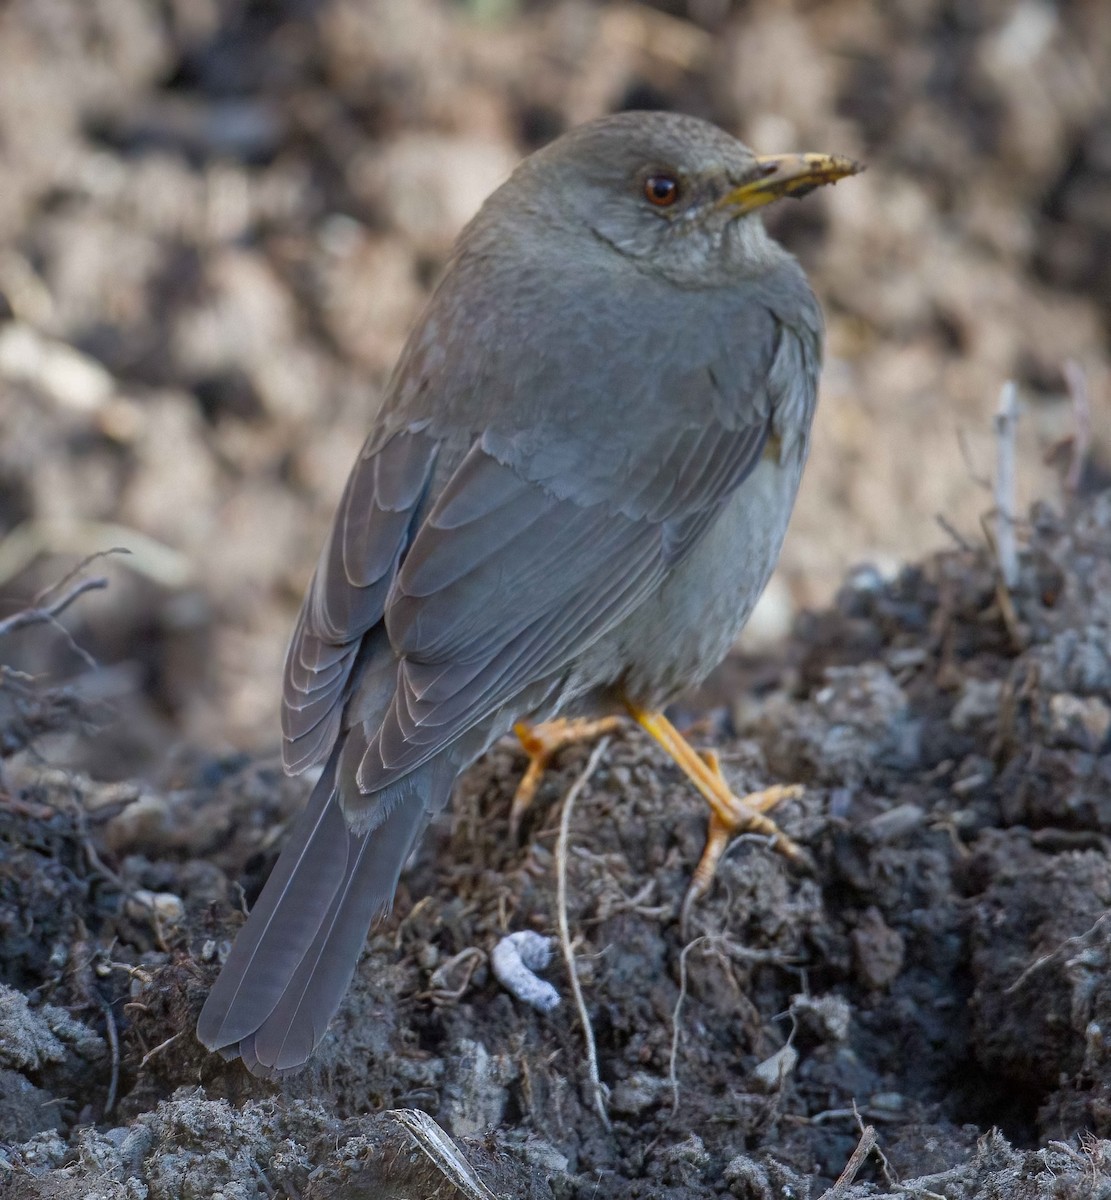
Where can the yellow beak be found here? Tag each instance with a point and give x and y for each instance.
(787, 175)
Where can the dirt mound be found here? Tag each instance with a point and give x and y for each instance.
(939, 974)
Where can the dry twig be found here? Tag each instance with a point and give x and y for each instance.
(1006, 425)
(727, 949)
(442, 992)
(1077, 383)
(564, 932)
(47, 613)
(979, 479)
(1044, 960)
(864, 1147)
(114, 1046)
(159, 1048)
(673, 1057)
(443, 1153)
(948, 527)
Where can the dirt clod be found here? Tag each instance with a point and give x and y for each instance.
(939, 973)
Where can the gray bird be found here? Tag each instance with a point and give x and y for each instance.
(573, 495)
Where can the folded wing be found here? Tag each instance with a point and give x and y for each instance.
(348, 592)
(505, 584)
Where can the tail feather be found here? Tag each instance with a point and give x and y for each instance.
(283, 921)
(288, 1036)
(292, 962)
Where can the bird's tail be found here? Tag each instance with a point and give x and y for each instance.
(292, 962)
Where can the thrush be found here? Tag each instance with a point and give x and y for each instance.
(573, 494)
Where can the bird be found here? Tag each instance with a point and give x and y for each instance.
(574, 490)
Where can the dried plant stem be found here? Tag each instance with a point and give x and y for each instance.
(564, 933)
(1006, 543)
(1077, 383)
(38, 616)
(856, 1160)
(673, 1057)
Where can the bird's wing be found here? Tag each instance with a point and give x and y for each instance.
(348, 592)
(508, 578)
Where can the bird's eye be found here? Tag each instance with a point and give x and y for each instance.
(661, 189)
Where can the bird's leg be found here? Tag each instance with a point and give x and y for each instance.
(541, 743)
(729, 815)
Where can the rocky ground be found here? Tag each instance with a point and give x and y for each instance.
(937, 977)
(216, 223)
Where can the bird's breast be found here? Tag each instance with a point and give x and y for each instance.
(682, 632)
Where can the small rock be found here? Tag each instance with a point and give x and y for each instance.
(691, 1152)
(475, 1096)
(1076, 661)
(71, 379)
(145, 822)
(430, 185)
(770, 621)
(878, 950)
(823, 1017)
(770, 1075)
(163, 907)
(887, 1105)
(1079, 723)
(895, 824)
(974, 773)
(545, 1157)
(637, 1093)
(977, 703)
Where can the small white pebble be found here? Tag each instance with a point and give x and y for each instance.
(515, 960)
(163, 906)
(771, 1074)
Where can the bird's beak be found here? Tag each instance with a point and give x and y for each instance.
(779, 175)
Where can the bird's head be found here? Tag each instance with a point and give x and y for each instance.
(674, 193)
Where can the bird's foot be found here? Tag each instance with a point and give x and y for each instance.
(730, 815)
(541, 743)
(747, 817)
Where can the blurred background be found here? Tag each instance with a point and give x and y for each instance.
(218, 219)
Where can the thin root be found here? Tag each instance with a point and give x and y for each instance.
(564, 932)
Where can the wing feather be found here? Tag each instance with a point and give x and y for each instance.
(348, 592)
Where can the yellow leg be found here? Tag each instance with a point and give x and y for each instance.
(729, 814)
(541, 743)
